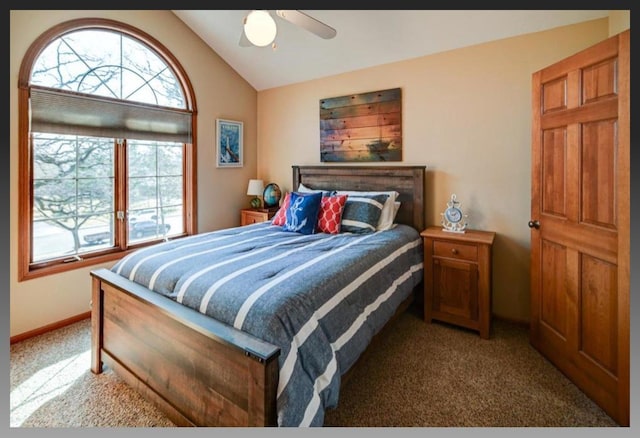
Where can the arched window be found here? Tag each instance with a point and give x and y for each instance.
(106, 150)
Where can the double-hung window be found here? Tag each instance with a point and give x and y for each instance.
(107, 156)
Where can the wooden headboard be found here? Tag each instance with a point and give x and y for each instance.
(406, 180)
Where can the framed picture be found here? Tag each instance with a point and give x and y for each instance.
(374, 122)
(228, 143)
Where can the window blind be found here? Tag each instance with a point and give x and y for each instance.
(64, 112)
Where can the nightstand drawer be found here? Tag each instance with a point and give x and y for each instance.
(251, 216)
(455, 250)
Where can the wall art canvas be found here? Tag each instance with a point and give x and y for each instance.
(229, 143)
(362, 127)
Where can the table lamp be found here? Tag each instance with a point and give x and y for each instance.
(255, 189)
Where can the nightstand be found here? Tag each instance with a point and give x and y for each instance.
(457, 278)
(250, 216)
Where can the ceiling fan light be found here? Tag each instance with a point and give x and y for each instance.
(260, 28)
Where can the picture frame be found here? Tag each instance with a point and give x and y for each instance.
(229, 143)
(374, 122)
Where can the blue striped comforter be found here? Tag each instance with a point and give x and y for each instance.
(319, 297)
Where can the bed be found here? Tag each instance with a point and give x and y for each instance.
(262, 327)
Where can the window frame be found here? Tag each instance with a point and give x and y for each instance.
(28, 270)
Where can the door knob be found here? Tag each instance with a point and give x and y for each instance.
(534, 224)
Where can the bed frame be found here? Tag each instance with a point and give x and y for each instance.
(199, 371)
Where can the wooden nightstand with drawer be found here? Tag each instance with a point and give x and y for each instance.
(250, 216)
(457, 278)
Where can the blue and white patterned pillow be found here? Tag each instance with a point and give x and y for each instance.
(302, 214)
(389, 210)
(361, 213)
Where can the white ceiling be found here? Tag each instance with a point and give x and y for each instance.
(365, 38)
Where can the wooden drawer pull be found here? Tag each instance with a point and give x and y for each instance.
(454, 251)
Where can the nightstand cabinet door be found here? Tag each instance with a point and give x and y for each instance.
(455, 292)
(457, 278)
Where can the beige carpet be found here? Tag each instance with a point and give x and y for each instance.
(426, 375)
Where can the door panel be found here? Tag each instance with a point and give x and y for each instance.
(554, 95)
(580, 200)
(598, 167)
(597, 309)
(599, 81)
(553, 305)
(554, 169)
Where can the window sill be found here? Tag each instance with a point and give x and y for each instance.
(58, 268)
(70, 266)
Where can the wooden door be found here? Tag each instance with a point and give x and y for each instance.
(580, 239)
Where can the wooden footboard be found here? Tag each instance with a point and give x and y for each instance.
(197, 370)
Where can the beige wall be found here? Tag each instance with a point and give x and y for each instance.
(466, 117)
(619, 21)
(220, 93)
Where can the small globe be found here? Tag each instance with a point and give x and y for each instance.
(271, 195)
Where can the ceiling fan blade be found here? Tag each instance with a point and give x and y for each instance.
(307, 22)
(244, 41)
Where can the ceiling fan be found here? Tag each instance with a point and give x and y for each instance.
(259, 27)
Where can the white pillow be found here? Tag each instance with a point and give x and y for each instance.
(388, 216)
(389, 209)
(396, 207)
(304, 189)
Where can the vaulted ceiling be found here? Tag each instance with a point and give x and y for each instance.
(365, 38)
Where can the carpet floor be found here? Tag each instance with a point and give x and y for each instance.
(417, 375)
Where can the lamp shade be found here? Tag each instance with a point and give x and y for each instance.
(256, 187)
(260, 28)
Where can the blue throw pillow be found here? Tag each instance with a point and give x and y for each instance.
(361, 213)
(302, 214)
